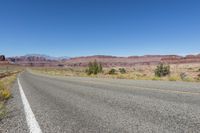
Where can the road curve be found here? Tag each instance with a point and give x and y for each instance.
(84, 105)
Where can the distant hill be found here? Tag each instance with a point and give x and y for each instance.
(107, 61)
(130, 61)
(47, 57)
(36, 60)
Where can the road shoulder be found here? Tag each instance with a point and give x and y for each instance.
(15, 121)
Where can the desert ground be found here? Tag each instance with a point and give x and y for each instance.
(190, 71)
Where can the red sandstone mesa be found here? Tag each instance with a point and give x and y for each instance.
(107, 61)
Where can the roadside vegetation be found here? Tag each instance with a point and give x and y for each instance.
(5, 94)
(112, 71)
(162, 70)
(7, 78)
(94, 68)
(122, 70)
(176, 72)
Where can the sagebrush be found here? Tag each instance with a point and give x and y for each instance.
(122, 70)
(94, 68)
(112, 71)
(162, 70)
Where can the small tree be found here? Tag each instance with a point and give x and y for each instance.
(94, 68)
(112, 71)
(162, 70)
(122, 70)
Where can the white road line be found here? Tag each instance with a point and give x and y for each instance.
(30, 117)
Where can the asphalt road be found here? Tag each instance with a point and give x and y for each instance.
(84, 105)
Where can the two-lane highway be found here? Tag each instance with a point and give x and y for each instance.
(84, 105)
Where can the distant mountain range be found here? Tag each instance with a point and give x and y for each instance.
(47, 57)
(36, 60)
(108, 61)
(131, 61)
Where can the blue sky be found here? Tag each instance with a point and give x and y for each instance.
(99, 27)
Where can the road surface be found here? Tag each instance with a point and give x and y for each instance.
(84, 105)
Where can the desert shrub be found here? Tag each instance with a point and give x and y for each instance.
(94, 68)
(162, 70)
(183, 76)
(198, 76)
(61, 65)
(198, 70)
(190, 68)
(122, 70)
(155, 78)
(4, 92)
(112, 71)
(120, 76)
(189, 79)
(173, 78)
(1, 90)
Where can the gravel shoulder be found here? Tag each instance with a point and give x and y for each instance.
(15, 121)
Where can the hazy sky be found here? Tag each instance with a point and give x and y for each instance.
(93, 27)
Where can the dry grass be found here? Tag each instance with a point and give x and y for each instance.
(5, 85)
(2, 110)
(145, 72)
(5, 93)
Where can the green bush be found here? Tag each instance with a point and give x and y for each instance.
(162, 70)
(94, 68)
(122, 70)
(112, 71)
